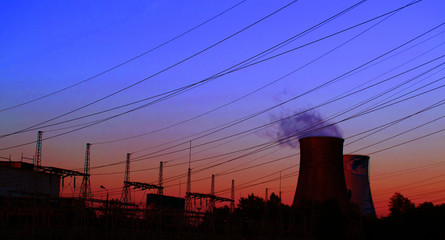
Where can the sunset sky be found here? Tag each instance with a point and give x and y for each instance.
(151, 77)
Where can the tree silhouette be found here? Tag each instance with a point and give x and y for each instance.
(400, 205)
(251, 207)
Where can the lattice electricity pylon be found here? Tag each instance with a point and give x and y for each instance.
(62, 173)
(232, 195)
(160, 183)
(188, 201)
(142, 186)
(37, 161)
(85, 187)
(126, 194)
(212, 192)
(208, 197)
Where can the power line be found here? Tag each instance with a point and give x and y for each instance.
(250, 93)
(311, 127)
(125, 62)
(225, 72)
(163, 70)
(174, 92)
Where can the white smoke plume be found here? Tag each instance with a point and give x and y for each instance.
(303, 124)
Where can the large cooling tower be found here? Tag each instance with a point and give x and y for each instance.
(321, 176)
(357, 182)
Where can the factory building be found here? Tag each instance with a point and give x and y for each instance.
(20, 179)
(165, 202)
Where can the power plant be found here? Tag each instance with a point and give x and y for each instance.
(321, 177)
(30, 199)
(326, 174)
(357, 182)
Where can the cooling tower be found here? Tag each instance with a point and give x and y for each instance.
(357, 182)
(321, 175)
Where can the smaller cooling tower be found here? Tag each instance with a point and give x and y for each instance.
(321, 177)
(357, 182)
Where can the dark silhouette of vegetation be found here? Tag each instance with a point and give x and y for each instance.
(407, 221)
(253, 218)
(400, 205)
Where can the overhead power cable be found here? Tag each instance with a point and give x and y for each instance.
(409, 141)
(341, 96)
(151, 155)
(382, 127)
(224, 172)
(380, 176)
(325, 84)
(125, 62)
(310, 130)
(171, 93)
(248, 186)
(266, 146)
(165, 69)
(246, 95)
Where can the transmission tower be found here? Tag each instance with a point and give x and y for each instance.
(160, 189)
(188, 200)
(85, 188)
(232, 195)
(212, 193)
(126, 194)
(37, 161)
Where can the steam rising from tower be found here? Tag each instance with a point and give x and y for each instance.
(300, 125)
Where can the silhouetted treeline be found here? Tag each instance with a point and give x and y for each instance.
(253, 218)
(407, 221)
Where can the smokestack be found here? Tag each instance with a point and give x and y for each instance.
(357, 182)
(321, 175)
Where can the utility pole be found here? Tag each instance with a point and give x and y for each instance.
(180, 187)
(280, 188)
(85, 188)
(267, 195)
(160, 189)
(38, 154)
(126, 194)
